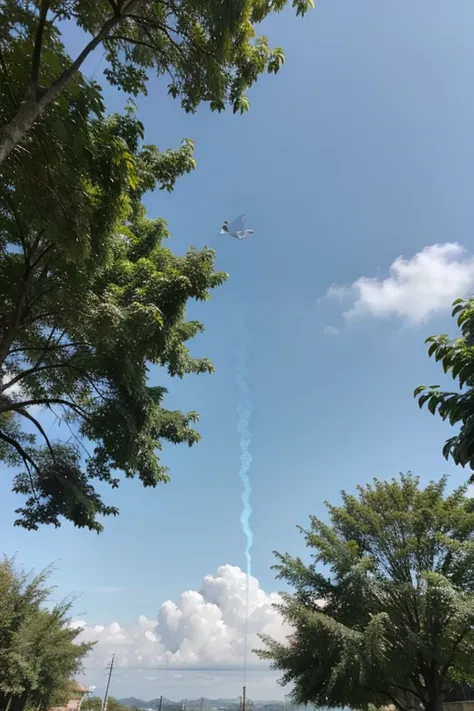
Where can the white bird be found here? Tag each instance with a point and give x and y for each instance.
(236, 228)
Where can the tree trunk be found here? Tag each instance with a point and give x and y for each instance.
(30, 110)
(13, 132)
(435, 702)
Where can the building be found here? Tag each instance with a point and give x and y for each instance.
(459, 698)
(77, 694)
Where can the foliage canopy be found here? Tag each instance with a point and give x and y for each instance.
(38, 652)
(456, 357)
(209, 50)
(393, 619)
(89, 298)
(94, 703)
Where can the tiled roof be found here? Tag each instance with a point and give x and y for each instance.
(460, 692)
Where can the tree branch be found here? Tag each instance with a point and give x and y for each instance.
(141, 43)
(113, 6)
(32, 419)
(36, 62)
(7, 79)
(456, 644)
(19, 308)
(66, 77)
(25, 349)
(47, 344)
(16, 406)
(409, 691)
(38, 297)
(49, 314)
(16, 445)
(32, 483)
(16, 217)
(49, 340)
(167, 29)
(27, 461)
(40, 256)
(32, 371)
(158, 26)
(37, 241)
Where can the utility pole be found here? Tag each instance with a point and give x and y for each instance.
(202, 702)
(161, 703)
(106, 696)
(244, 698)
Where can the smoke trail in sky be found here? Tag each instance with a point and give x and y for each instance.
(244, 411)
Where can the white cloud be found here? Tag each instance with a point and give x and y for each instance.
(203, 629)
(416, 289)
(202, 633)
(331, 331)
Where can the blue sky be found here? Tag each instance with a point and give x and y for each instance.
(358, 152)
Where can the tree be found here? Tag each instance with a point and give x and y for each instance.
(457, 358)
(392, 622)
(208, 49)
(38, 651)
(92, 703)
(89, 298)
(115, 705)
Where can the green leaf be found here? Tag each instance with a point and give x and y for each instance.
(419, 390)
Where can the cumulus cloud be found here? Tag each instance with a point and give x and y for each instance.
(204, 629)
(416, 289)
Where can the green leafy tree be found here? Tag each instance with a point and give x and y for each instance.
(38, 647)
(92, 703)
(89, 298)
(390, 618)
(112, 705)
(456, 357)
(209, 50)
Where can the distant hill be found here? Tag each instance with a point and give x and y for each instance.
(132, 701)
(207, 704)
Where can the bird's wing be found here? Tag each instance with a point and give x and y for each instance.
(242, 234)
(238, 224)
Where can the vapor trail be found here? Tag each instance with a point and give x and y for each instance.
(244, 410)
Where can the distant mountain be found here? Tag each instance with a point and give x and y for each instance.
(132, 701)
(207, 704)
